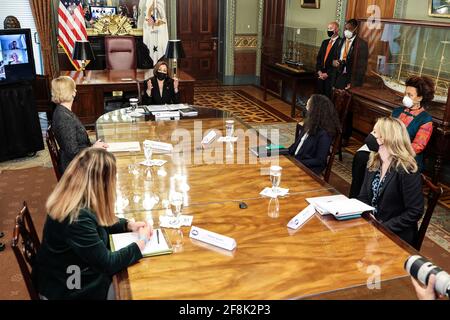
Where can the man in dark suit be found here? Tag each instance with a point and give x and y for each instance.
(350, 63)
(324, 65)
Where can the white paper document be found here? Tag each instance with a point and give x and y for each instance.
(320, 202)
(228, 139)
(278, 192)
(160, 147)
(347, 207)
(157, 244)
(153, 163)
(180, 106)
(134, 146)
(184, 221)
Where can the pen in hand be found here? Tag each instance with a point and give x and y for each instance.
(157, 235)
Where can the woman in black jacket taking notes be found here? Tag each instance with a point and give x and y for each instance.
(75, 260)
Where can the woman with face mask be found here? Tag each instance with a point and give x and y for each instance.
(419, 123)
(161, 89)
(392, 182)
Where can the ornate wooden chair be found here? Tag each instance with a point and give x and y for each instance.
(53, 148)
(434, 193)
(25, 244)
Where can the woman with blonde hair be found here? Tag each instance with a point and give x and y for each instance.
(68, 129)
(392, 184)
(76, 233)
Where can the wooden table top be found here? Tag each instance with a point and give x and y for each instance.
(102, 77)
(270, 261)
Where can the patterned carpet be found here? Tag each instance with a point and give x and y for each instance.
(245, 106)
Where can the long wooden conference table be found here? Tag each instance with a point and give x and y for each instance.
(324, 259)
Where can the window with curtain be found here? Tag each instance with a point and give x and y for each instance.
(21, 10)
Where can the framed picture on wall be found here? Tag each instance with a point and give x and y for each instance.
(439, 8)
(311, 4)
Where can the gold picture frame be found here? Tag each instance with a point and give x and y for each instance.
(439, 8)
(310, 4)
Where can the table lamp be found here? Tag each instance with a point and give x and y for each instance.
(174, 52)
(83, 52)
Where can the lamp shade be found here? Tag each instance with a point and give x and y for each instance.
(83, 51)
(174, 50)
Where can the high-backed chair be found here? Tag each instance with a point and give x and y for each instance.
(25, 245)
(335, 147)
(120, 53)
(434, 193)
(53, 149)
(341, 99)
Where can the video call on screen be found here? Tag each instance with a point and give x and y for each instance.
(13, 54)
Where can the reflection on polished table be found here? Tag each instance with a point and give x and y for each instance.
(89, 102)
(322, 258)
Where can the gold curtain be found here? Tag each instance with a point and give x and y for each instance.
(45, 24)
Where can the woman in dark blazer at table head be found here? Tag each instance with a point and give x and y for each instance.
(392, 184)
(313, 143)
(81, 216)
(68, 129)
(161, 89)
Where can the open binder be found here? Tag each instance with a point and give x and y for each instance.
(153, 248)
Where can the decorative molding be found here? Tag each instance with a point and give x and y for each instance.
(171, 8)
(229, 38)
(400, 9)
(245, 41)
(341, 10)
(259, 37)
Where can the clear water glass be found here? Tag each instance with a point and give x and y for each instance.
(229, 126)
(148, 152)
(134, 104)
(275, 177)
(176, 205)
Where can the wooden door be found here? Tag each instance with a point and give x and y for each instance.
(197, 26)
(273, 31)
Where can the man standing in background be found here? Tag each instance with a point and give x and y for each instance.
(324, 66)
(350, 64)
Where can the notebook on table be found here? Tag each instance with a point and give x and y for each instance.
(268, 150)
(153, 247)
(133, 146)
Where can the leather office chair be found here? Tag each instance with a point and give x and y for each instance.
(434, 193)
(25, 245)
(120, 53)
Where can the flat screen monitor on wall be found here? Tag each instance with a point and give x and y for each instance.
(100, 11)
(16, 56)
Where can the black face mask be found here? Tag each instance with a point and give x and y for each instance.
(330, 33)
(372, 143)
(161, 76)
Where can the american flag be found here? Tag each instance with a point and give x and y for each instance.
(71, 27)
